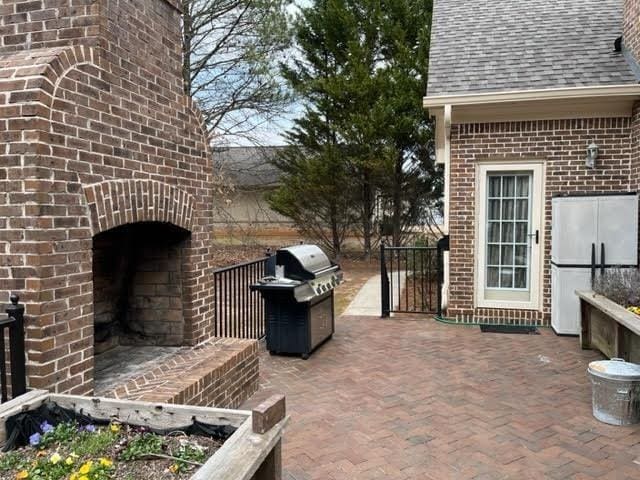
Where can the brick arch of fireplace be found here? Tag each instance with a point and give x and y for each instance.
(113, 203)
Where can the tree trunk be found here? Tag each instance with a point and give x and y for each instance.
(396, 218)
(335, 234)
(187, 35)
(367, 213)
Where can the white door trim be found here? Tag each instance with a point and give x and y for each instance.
(537, 169)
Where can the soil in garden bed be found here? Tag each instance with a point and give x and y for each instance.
(86, 451)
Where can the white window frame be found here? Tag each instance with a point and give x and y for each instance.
(483, 169)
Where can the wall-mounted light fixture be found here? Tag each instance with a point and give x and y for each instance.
(592, 155)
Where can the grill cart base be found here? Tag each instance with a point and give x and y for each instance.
(298, 328)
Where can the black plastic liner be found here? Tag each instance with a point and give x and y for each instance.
(22, 425)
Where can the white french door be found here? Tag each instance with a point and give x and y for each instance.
(509, 237)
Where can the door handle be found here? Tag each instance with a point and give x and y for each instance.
(602, 263)
(536, 235)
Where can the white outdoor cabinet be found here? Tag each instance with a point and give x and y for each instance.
(588, 233)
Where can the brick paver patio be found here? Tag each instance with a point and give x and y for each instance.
(415, 399)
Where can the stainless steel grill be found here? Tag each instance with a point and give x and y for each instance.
(298, 296)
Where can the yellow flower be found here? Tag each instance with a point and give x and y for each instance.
(69, 461)
(105, 462)
(86, 468)
(115, 427)
(55, 458)
(173, 468)
(83, 477)
(74, 476)
(22, 474)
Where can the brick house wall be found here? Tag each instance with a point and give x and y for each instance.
(96, 133)
(562, 145)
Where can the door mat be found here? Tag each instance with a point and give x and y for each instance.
(486, 328)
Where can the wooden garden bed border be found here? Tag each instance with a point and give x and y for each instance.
(603, 314)
(253, 452)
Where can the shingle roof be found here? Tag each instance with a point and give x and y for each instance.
(502, 45)
(248, 166)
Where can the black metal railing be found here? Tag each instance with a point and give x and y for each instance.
(410, 279)
(12, 328)
(239, 312)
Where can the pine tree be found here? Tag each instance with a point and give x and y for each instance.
(362, 76)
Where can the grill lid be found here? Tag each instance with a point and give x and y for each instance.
(304, 262)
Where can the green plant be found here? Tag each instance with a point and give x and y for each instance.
(61, 433)
(185, 454)
(52, 467)
(11, 461)
(93, 443)
(142, 445)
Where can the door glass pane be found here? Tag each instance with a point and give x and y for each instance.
(522, 209)
(494, 255)
(507, 209)
(494, 232)
(506, 278)
(494, 209)
(494, 187)
(520, 278)
(523, 186)
(507, 233)
(493, 279)
(522, 228)
(508, 186)
(507, 255)
(507, 228)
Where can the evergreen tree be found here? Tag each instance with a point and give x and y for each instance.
(362, 75)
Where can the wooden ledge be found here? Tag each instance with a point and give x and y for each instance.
(612, 309)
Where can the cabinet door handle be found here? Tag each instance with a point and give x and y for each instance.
(593, 263)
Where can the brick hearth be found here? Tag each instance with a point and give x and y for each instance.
(220, 372)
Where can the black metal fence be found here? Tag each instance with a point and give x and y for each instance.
(411, 279)
(239, 312)
(12, 329)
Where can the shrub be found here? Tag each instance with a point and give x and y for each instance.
(620, 285)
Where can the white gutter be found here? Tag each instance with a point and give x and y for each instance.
(567, 93)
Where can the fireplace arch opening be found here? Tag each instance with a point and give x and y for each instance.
(138, 286)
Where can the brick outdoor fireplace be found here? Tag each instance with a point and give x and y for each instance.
(105, 210)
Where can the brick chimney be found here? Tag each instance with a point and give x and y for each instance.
(140, 32)
(97, 142)
(631, 29)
